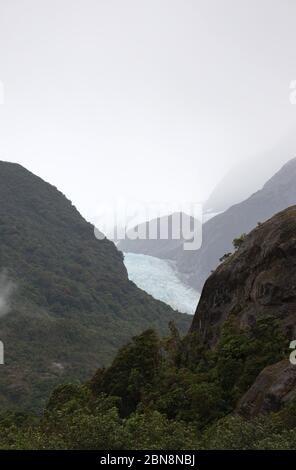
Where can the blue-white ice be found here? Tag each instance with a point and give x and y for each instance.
(159, 278)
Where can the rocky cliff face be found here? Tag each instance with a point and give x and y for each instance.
(274, 387)
(257, 280)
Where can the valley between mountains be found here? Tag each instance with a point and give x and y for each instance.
(94, 362)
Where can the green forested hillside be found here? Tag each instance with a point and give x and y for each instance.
(72, 305)
(227, 384)
(163, 394)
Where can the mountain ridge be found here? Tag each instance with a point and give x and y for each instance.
(74, 304)
(219, 232)
(277, 194)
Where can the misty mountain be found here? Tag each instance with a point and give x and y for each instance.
(166, 248)
(72, 304)
(218, 233)
(249, 176)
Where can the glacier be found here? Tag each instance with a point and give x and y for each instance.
(159, 278)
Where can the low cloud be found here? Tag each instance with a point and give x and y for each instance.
(7, 287)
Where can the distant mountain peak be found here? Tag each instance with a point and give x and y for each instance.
(218, 233)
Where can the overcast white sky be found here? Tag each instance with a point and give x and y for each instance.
(143, 99)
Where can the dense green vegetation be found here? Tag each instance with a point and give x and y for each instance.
(73, 305)
(237, 242)
(164, 394)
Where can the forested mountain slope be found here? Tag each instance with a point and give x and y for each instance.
(66, 301)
